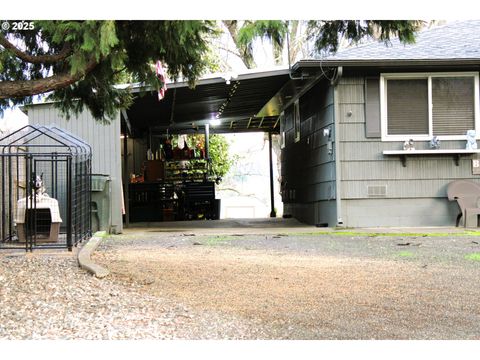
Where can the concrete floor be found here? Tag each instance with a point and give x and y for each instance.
(225, 226)
(271, 225)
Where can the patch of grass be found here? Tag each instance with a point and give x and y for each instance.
(473, 256)
(212, 240)
(383, 234)
(405, 254)
(101, 234)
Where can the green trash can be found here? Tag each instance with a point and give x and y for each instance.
(100, 202)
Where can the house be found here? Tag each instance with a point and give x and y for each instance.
(343, 121)
(343, 162)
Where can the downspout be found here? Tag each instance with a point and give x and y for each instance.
(337, 76)
(273, 213)
(338, 171)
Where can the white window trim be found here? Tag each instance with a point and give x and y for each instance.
(428, 76)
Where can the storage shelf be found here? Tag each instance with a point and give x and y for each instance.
(456, 153)
(180, 170)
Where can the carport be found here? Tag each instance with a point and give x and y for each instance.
(250, 102)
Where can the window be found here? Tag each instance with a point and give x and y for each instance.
(420, 106)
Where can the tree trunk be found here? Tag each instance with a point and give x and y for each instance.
(22, 88)
(277, 54)
(245, 52)
(36, 59)
(294, 43)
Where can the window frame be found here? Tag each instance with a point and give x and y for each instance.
(384, 77)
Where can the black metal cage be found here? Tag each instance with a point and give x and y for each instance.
(45, 188)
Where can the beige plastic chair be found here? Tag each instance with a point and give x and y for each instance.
(467, 195)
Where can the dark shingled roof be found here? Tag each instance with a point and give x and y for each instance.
(455, 40)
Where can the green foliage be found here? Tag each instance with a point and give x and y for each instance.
(245, 33)
(274, 30)
(129, 48)
(108, 37)
(218, 149)
(328, 34)
(222, 160)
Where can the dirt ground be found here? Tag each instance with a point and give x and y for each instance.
(311, 286)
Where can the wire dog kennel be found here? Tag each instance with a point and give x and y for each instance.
(45, 189)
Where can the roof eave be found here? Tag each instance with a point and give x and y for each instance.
(213, 80)
(302, 64)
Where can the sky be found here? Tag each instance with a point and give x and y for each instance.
(13, 119)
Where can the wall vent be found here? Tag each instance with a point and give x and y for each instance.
(377, 191)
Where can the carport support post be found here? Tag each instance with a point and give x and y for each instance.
(270, 158)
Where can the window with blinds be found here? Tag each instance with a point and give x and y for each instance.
(407, 107)
(452, 105)
(420, 106)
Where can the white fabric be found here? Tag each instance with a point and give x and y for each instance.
(42, 202)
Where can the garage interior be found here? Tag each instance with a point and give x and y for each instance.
(168, 183)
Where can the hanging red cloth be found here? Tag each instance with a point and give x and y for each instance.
(162, 76)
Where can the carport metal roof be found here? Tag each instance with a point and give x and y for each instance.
(240, 105)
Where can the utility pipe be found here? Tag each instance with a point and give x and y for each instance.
(270, 157)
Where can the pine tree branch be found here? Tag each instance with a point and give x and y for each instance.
(36, 59)
(230, 51)
(22, 88)
(229, 189)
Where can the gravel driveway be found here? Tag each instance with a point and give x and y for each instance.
(277, 286)
(45, 295)
(312, 286)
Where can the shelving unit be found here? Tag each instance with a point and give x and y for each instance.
(174, 189)
(186, 170)
(152, 201)
(455, 153)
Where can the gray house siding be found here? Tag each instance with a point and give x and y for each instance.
(308, 167)
(377, 190)
(105, 143)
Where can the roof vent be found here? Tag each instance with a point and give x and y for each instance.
(377, 191)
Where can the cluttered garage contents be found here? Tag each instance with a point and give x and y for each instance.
(175, 182)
